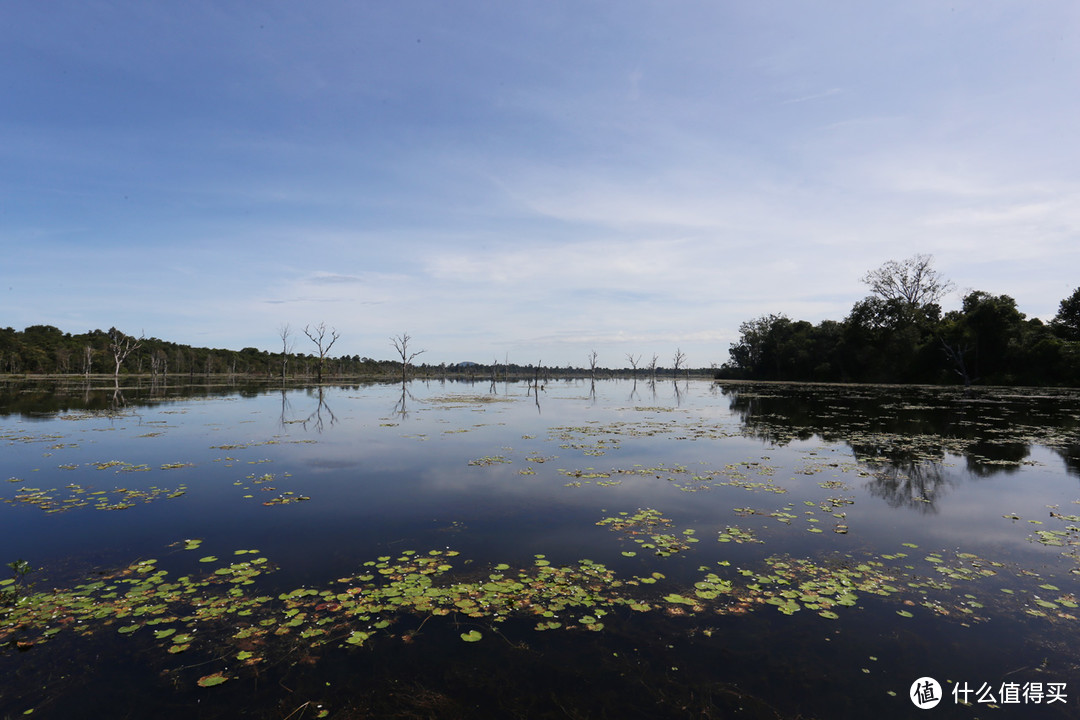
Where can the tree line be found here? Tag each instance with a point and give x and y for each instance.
(898, 334)
(44, 349)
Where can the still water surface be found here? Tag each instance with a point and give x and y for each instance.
(608, 549)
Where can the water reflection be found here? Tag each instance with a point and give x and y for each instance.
(994, 429)
(917, 485)
(316, 418)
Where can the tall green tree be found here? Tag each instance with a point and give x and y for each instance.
(1066, 323)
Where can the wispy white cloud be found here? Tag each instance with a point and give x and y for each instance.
(815, 96)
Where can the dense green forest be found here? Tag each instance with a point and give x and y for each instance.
(899, 334)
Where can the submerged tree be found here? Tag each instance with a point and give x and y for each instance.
(677, 361)
(318, 336)
(285, 332)
(401, 344)
(88, 359)
(121, 345)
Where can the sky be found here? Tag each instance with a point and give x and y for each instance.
(526, 181)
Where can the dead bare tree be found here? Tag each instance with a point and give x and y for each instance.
(401, 344)
(88, 359)
(159, 363)
(285, 333)
(633, 362)
(956, 356)
(121, 345)
(678, 360)
(318, 336)
(652, 366)
(592, 363)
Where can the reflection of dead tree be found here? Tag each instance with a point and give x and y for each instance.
(912, 483)
(400, 408)
(317, 416)
(118, 400)
(121, 345)
(401, 344)
(318, 336)
(284, 408)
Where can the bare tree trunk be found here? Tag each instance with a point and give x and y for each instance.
(121, 346)
(318, 336)
(401, 344)
(284, 332)
(678, 360)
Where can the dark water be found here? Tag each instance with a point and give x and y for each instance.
(946, 522)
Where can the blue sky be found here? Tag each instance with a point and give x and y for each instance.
(531, 180)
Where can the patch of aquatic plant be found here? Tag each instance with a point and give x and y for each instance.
(490, 460)
(12, 588)
(263, 483)
(1067, 536)
(19, 436)
(686, 480)
(574, 438)
(782, 515)
(213, 609)
(73, 495)
(271, 441)
(120, 466)
(828, 585)
(737, 535)
(224, 612)
(587, 473)
(286, 498)
(459, 401)
(645, 528)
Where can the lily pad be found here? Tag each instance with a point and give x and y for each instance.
(212, 680)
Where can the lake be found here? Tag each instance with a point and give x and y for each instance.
(608, 549)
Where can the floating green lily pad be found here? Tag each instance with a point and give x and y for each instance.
(212, 680)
